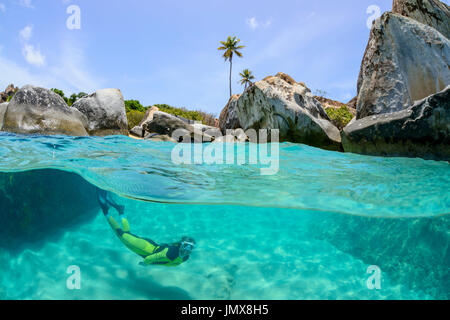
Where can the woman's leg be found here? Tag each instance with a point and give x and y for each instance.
(102, 201)
(105, 201)
(120, 209)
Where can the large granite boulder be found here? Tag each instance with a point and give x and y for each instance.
(433, 13)
(138, 130)
(105, 111)
(3, 107)
(422, 130)
(405, 61)
(149, 115)
(229, 117)
(165, 124)
(169, 125)
(35, 110)
(278, 102)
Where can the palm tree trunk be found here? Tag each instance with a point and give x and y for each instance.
(231, 68)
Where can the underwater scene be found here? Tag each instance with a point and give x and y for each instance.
(324, 227)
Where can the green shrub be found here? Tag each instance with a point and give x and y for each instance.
(181, 112)
(9, 98)
(204, 117)
(133, 105)
(61, 93)
(339, 117)
(134, 117)
(74, 97)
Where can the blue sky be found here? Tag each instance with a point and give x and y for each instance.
(166, 51)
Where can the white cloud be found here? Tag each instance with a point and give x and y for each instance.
(33, 56)
(26, 33)
(26, 3)
(253, 23)
(69, 74)
(73, 71)
(2, 7)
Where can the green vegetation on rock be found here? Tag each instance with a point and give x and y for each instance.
(136, 112)
(134, 118)
(180, 112)
(201, 116)
(73, 98)
(339, 117)
(134, 105)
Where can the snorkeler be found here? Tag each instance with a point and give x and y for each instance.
(170, 255)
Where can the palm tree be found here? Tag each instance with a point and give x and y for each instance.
(231, 47)
(247, 77)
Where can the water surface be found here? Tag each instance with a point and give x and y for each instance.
(308, 232)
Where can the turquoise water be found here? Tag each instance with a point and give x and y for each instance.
(309, 232)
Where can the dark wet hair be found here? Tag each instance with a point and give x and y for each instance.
(188, 239)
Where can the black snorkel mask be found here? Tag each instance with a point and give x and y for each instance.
(186, 248)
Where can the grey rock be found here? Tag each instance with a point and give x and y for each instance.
(3, 107)
(422, 130)
(204, 128)
(229, 118)
(137, 131)
(188, 121)
(281, 103)
(352, 104)
(159, 138)
(405, 61)
(433, 13)
(105, 111)
(148, 115)
(238, 136)
(167, 124)
(35, 110)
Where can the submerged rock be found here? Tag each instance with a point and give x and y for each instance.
(105, 111)
(35, 110)
(278, 102)
(433, 13)
(414, 251)
(422, 130)
(405, 61)
(40, 205)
